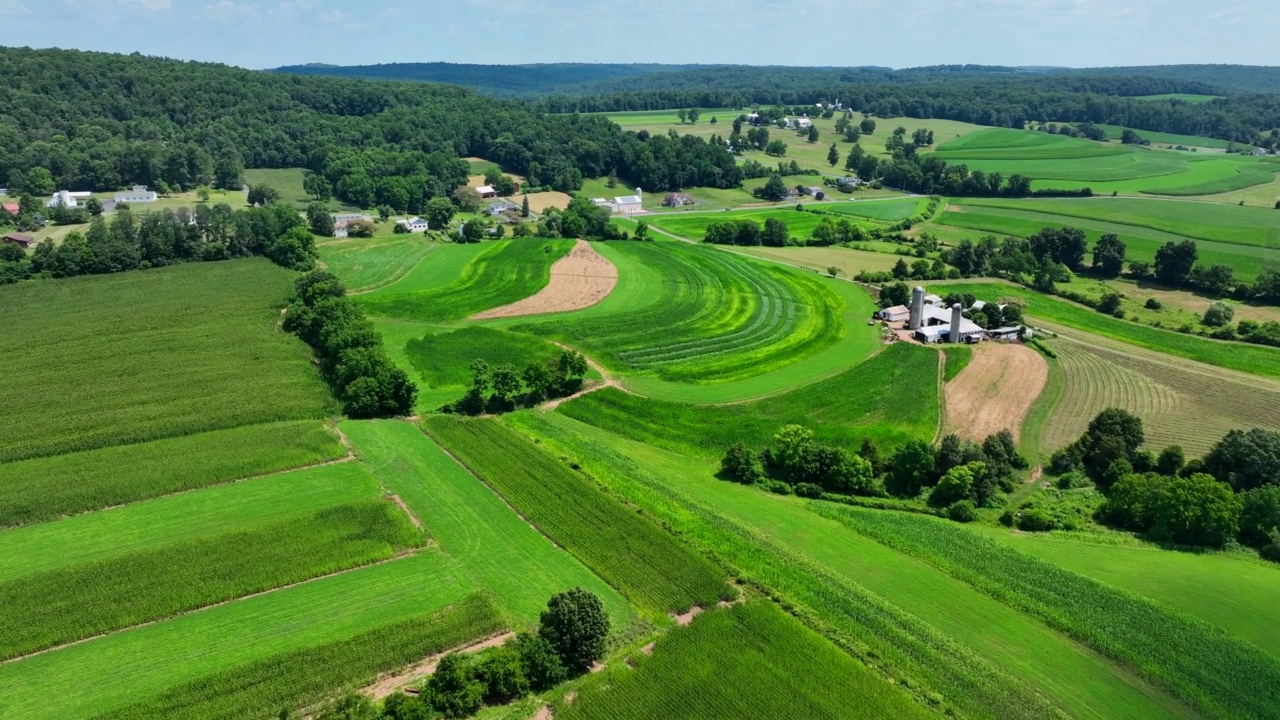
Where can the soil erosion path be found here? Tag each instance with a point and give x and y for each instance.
(578, 280)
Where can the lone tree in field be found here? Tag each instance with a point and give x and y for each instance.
(575, 624)
(524, 207)
(682, 114)
(833, 155)
(694, 114)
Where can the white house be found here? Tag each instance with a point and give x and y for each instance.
(67, 199)
(414, 224)
(137, 194)
(804, 123)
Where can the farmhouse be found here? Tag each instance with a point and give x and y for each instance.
(677, 200)
(848, 183)
(414, 224)
(897, 313)
(486, 191)
(22, 241)
(502, 206)
(137, 194)
(67, 199)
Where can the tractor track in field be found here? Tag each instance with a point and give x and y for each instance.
(389, 684)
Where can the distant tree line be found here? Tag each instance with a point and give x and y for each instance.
(1231, 494)
(960, 476)
(166, 237)
(351, 354)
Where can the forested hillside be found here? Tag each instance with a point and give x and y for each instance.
(96, 121)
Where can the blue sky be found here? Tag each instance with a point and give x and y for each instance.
(896, 33)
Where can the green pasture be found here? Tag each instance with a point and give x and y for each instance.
(45, 488)
(696, 315)
(496, 549)
(957, 649)
(748, 661)
(1254, 359)
(302, 678)
(288, 182)
(444, 359)
(137, 356)
(1114, 132)
(891, 398)
(800, 224)
(1184, 97)
(152, 524)
(648, 565)
(1218, 675)
(1202, 176)
(365, 264)
(46, 609)
(502, 273)
(850, 262)
(111, 672)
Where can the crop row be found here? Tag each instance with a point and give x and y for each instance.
(44, 488)
(939, 671)
(1220, 675)
(715, 316)
(133, 357)
(503, 274)
(50, 608)
(748, 661)
(304, 677)
(891, 397)
(628, 551)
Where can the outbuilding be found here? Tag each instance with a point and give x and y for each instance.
(22, 241)
(414, 224)
(137, 194)
(486, 191)
(1009, 333)
(897, 313)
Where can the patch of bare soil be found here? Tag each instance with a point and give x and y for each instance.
(578, 280)
(686, 618)
(557, 402)
(392, 683)
(647, 649)
(995, 390)
(544, 713)
(413, 518)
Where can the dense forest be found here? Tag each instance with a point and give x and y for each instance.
(96, 121)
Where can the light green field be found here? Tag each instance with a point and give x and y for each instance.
(938, 636)
(45, 488)
(444, 359)
(749, 661)
(175, 518)
(288, 181)
(494, 548)
(365, 264)
(1231, 592)
(116, 670)
(138, 356)
(1114, 132)
(799, 224)
(850, 262)
(1184, 97)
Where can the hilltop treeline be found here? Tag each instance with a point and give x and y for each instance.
(999, 101)
(97, 121)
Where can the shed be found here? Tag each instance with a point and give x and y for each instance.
(486, 191)
(1011, 332)
(932, 300)
(22, 241)
(897, 313)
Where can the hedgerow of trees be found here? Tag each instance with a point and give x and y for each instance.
(504, 388)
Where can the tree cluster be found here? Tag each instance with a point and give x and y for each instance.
(132, 242)
(959, 471)
(503, 389)
(351, 355)
(571, 638)
(794, 463)
(748, 232)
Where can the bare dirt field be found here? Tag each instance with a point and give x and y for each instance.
(579, 280)
(995, 390)
(539, 202)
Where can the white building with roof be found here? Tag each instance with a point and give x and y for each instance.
(136, 194)
(623, 204)
(414, 224)
(67, 199)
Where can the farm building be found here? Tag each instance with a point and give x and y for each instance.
(817, 193)
(1012, 332)
(12, 208)
(22, 241)
(67, 199)
(932, 323)
(803, 123)
(350, 217)
(932, 300)
(136, 194)
(897, 313)
(414, 224)
(622, 205)
(677, 200)
(502, 206)
(486, 191)
(848, 183)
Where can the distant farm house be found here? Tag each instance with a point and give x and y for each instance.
(486, 191)
(803, 123)
(342, 221)
(677, 200)
(623, 204)
(137, 194)
(414, 224)
(817, 193)
(22, 241)
(500, 208)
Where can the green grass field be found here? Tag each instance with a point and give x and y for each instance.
(749, 661)
(45, 488)
(849, 262)
(1184, 97)
(799, 224)
(501, 273)
(112, 672)
(493, 546)
(365, 264)
(891, 398)
(958, 650)
(1114, 132)
(444, 359)
(306, 676)
(1254, 359)
(697, 315)
(288, 182)
(138, 356)
(1220, 675)
(51, 608)
(634, 555)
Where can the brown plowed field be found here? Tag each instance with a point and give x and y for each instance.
(579, 280)
(995, 390)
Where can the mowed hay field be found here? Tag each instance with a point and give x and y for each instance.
(366, 264)
(995, 390)
(106, 360)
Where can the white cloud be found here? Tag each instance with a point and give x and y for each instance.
(13, 7)
(229, 12)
